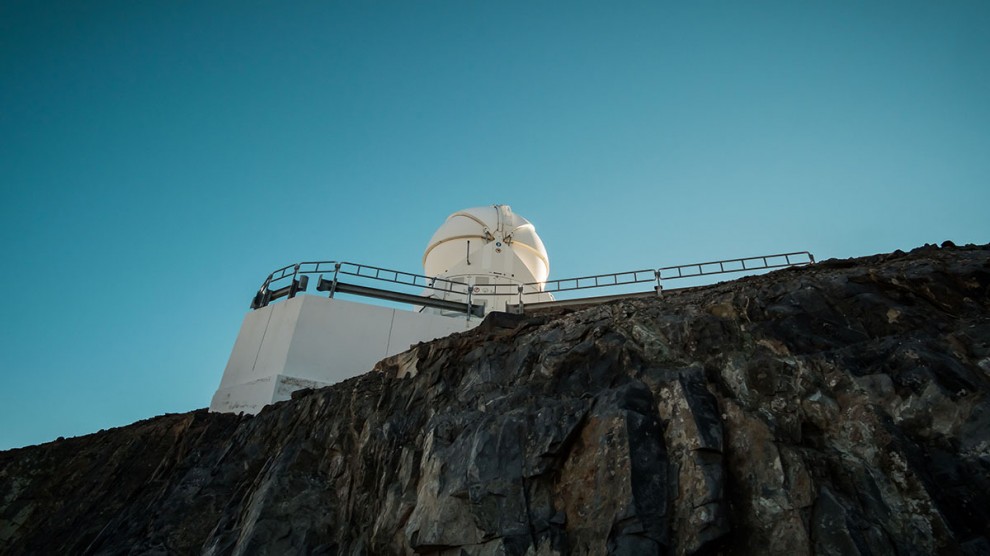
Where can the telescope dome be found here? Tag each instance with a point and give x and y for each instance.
(490, 240)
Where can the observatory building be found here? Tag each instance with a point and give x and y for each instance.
(479, 260)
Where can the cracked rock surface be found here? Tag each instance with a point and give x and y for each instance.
(836, 409)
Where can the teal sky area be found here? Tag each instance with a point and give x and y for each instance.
(159, 159)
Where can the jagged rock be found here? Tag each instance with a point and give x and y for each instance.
(835, 409)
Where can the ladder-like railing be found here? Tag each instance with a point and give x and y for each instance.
(297, 278)
(345, 277)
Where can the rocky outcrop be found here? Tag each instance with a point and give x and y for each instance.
(835, 409)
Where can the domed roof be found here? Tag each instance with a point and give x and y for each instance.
(487, 224)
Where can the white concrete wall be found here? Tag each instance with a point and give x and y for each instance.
(311, 341)
(247, 397)
(263, 342)
(336, 339)
(410, 328)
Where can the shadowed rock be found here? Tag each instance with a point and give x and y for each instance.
(835, 409)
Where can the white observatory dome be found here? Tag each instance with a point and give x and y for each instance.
(508, 234)
(485, 246)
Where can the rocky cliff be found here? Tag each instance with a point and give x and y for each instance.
(835, 409)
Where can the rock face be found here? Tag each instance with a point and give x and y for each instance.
(835, 409)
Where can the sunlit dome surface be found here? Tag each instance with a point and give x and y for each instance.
(495, 233)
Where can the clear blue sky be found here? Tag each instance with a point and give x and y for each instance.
(158, 159)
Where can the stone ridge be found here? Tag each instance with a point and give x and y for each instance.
(835, 409)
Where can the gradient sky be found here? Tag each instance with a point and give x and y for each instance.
(158, 159)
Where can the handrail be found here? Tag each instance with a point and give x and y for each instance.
(362, 271)
(602, 280)
(299, 274)
(464, 308)
(808, 258)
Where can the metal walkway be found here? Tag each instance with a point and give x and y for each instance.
(358, 279)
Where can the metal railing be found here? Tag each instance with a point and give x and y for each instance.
(782, 260)
(297, 276)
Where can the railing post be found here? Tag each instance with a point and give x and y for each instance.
(262, 297)
(333, 285)
(470, 288)
(295, 285)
